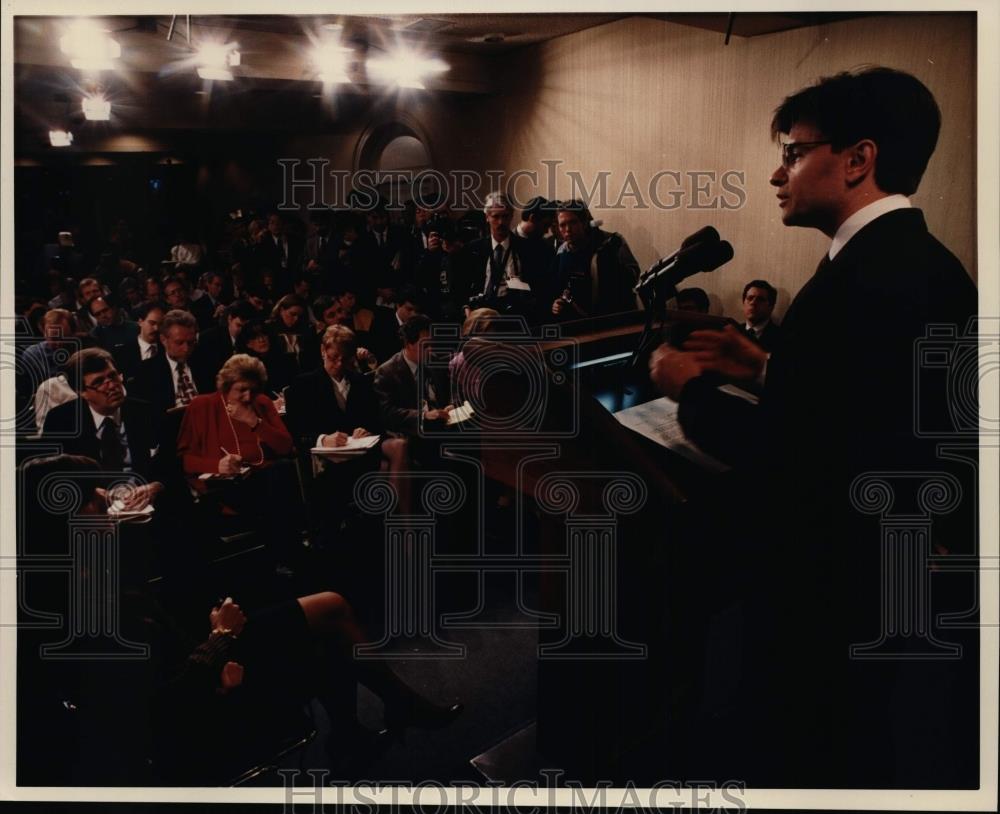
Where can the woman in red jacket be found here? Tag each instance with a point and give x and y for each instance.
(233, 442)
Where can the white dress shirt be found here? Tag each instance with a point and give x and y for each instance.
(860, 219)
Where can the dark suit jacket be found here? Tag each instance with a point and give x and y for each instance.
(770, 338)
(72, 424)
(533, 259)
(312, 408)
(127, 359)
(155, 383)
(399, 402)
(203, 310)
(839, 404)
(383, 336)
(214, 348)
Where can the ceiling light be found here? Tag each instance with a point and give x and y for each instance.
(215, 59)
(60, 138)
(89, 47)
(405, 69)
(331, 61)
(96, 108)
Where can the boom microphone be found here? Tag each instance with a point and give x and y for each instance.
(699, 257)
(707, 234)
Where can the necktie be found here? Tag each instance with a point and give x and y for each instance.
(496, 270)
(151, 351)
(185, 387)
(112, 449)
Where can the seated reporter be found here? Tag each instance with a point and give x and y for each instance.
(293, 332)
(105, 424)
(257, 341)
(235, 432)
(327, 407)
(335, 402)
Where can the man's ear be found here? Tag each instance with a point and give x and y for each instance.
(860, 159)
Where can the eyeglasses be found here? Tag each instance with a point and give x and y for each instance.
(790, 151)
(101, 382)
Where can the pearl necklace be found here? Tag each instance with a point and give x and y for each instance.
(236, 437)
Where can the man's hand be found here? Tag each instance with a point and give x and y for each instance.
(135, 500)
(231, 676)
(227, 616)
(337, 439)
(671, 369)
(727, 352)
(360, 432)
(438, 415)
(230, 464)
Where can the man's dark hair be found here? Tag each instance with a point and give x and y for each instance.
(88, 360)
(537, 206)
(696, 296)
(411, 329)
(408, 293)
(142, 311)
(578, 208)
(764, 285)
(241, 309)
(174, 279)
(321, 304)
(892, 108)
(254, 329)
(109, 299)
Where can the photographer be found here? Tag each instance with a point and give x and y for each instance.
(443, 273)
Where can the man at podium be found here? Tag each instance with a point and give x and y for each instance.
(854, 688)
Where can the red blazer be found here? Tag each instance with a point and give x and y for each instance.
(207, 430)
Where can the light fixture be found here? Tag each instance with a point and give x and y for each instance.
(215, 59)
(89, 47)
(60, 138)
(96, 108)
(331, 61)
(405, 69)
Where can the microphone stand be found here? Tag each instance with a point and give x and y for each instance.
(661, 293)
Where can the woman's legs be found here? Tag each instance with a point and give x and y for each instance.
(395, 452)
(331, 619)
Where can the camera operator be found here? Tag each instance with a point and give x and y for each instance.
(444, 272)
(595, 270)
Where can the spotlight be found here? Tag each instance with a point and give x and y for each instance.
(60, 138)
(89, 47)
(96, 108)
(331, 62)
(215, 59)
(405, 69)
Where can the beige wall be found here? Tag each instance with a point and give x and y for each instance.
(642, 95)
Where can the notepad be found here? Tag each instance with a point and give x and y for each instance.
(461, 413)
(354, 446)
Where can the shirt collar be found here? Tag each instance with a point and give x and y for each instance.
(494, 242)
(758, 329)
(116, 416)
(143, 345)
(860, 219)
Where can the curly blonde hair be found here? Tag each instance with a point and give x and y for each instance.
(241, 367)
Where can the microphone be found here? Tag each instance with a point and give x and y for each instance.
(697, 258)
(707, 234)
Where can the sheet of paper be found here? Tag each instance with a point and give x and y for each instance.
(657, 420)
(353, 446)
(461, 413)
